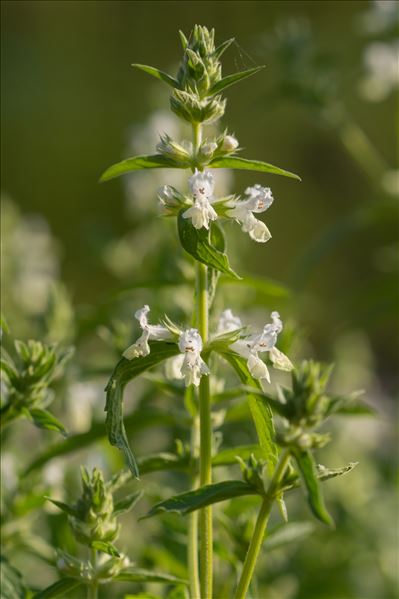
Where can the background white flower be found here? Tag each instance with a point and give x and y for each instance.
(150, 331)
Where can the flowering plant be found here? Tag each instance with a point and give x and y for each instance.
(286, 421)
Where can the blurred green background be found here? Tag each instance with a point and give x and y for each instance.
(324, 107)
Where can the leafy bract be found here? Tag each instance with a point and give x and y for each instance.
(235, 162)
(138, 163)
(105, 547)
(202, 497)
(127, 503)
(308, 470)
(157, 74)
(233, 78)
(124, 371)
(196, 243)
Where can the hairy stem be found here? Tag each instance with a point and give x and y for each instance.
(260, 528)
(205, 452)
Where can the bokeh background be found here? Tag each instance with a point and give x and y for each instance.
(80, 257)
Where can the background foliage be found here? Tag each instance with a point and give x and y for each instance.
(79, 258)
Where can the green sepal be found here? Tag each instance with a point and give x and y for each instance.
(235, 162)
(137, 163)
(61, 588)
(125, 371)
(196, 243)
(63, 506)
(308, 470)
(232, 79)
(184, 503)
(222, 48)
(157, 74)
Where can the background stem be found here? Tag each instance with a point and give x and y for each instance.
(260, 527)
(92, 590)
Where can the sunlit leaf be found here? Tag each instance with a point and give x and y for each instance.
(125, 371)
(105, 547)
(157, 74)
(46, 420)
(138, 163)
(233, 78)
(199, 498)
(196, 243)
(235, 162)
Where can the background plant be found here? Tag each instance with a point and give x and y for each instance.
(348, 326)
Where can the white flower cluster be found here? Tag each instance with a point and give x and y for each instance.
(190, 366)
(258, 199)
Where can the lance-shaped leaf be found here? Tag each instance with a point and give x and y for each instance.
(199, 498)
(260, 410)
(124, 371)
(223, 47)
(44, 419)
(232, 79)
(157, 74)
(323, 474)
(196, 243)
(127, 503)
(235, 162)
(138, 163)
(140, 575)
(68, 509)
(61, 588)
(308, 470)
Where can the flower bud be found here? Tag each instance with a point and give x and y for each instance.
(230, 144)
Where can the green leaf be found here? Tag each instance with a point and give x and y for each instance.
(235, 162)
(222, 48)
(157, 74)
(63, 506)
(308, 470)
(140, 575)
(233, 78)
(199, 498)
(61, 588)
(12, 585)
(324, 473)
(138, 163)
(260, 410)
(196, 243)
(105, 547)
(125, 371)
(127, 503)
(229, 456)
(43, 419)
(287, 533)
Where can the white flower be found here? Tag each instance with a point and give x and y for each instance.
(193, 366)
(228, 323)
(259, 199)
(150, 331)
(201, 184)
(251, 346)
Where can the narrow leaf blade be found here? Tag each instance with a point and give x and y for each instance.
(233, 78)
(61, 588)
(308, 470)
(196, 243)
(105, 547)
(125, 371)
(46, 420)
(157, 74)
(235, 162)
(141, 575)
(137, 163)
(199, 498)
(127, 503)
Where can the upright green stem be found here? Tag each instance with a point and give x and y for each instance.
(205, 515)
(260, 528)
(192, 549)
(92, 590)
